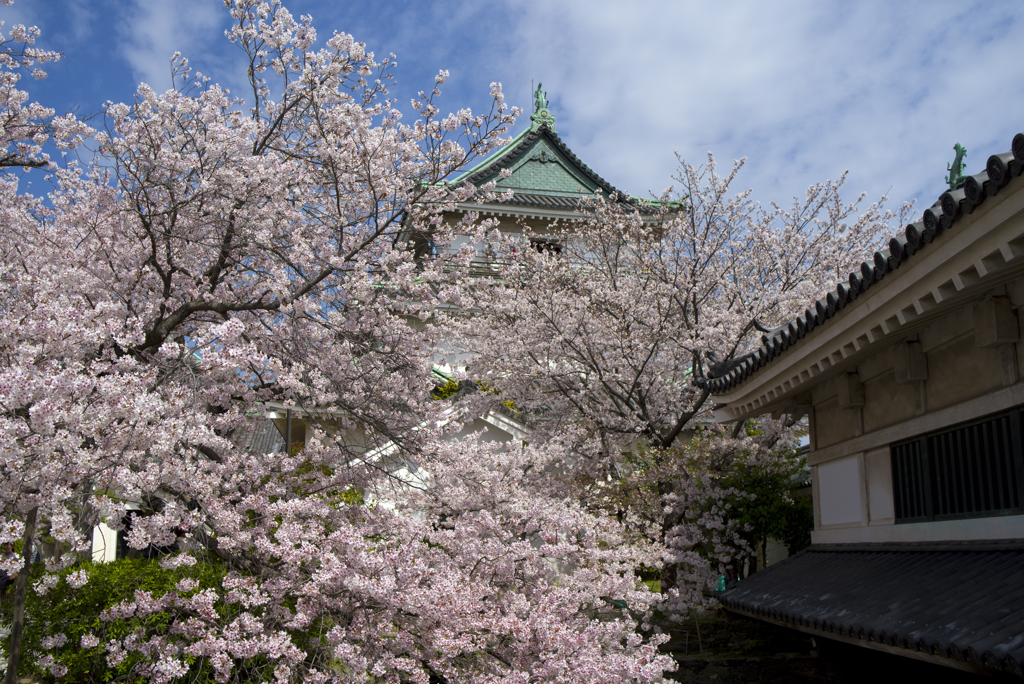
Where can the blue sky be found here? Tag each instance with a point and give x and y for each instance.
(804, 90)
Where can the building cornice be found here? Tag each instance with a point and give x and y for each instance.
(949, 213)
(984, 251)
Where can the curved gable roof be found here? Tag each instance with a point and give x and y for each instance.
(552, 187)
(519, 151)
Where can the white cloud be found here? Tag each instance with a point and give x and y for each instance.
(152, 31)
(805, 90)
(80, 18)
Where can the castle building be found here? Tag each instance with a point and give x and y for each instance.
(910, 373)
(547, 182)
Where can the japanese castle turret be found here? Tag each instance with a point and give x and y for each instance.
(547, 180)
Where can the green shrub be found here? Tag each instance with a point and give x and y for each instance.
(775, 510)
(445, 390)
(75, 612)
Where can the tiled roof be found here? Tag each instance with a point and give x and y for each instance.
(951, 206)
(522, 199)
(963, 601)
(480, 173)
(521, 145)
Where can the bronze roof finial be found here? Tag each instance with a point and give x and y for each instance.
(956, 175)
(541, 116)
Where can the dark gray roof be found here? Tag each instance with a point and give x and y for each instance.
(960, 600)
(951, 206)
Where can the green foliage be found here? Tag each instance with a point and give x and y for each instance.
(774, 510)
(76, 613)
(450, 387)
(444, 391)
(350, 495)
(353, 496)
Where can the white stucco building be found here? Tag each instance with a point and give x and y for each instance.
(911, 375)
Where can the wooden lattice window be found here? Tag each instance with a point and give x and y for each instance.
(968, 471)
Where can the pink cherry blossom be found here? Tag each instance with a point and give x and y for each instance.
(604, 347)
(218, 260)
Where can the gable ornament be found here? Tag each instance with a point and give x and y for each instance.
(541, 116)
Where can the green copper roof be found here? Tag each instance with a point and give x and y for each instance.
(491, 160)
(540, 163)
(543, 171)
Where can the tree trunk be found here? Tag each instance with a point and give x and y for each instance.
(88, 516)
(20, 592)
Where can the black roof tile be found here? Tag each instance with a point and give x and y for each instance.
(961, 600)
(1000, 170)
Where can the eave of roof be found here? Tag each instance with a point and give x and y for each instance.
(520, 145)
(961, 602)
(950, 208)
(561, 202)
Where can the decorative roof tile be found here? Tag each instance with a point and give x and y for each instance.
(952, 205)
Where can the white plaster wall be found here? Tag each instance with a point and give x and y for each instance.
(878, 472)
(489, 431)
(104, 544)
(840, 498)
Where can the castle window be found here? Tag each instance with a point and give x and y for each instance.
(969, 471)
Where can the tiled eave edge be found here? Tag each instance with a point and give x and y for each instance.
(513, 211)
(864, 641)
(950, 212)
(522, 212)
(982, 251)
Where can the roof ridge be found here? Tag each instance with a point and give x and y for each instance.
(951, 206)
(522, 142)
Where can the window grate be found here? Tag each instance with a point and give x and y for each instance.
(968, 471)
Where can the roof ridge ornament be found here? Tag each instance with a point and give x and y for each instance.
(956, 177)
(541, 116)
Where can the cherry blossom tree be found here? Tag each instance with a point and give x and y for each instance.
(610, 340)
(219, 255)
(26, 126)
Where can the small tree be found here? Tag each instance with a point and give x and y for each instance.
(766, 506)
